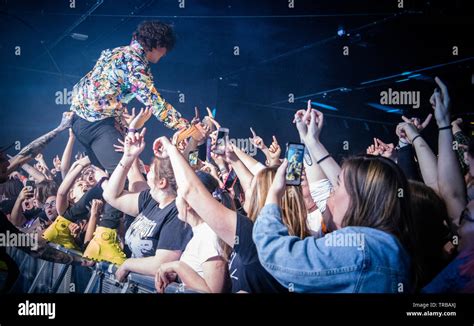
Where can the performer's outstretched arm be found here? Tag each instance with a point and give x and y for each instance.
(142, 86)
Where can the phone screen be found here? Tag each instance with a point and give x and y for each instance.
(193, 158)
(230, 180)
(221, 142)
(294, 155)
(31, 184)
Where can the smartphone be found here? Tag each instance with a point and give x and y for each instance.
(193, 158)
(230, 180)
(295, 156)
(30, 184)
(222, 139)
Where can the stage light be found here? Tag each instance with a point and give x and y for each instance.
(79, 37)
(324, 106)
(341, 31)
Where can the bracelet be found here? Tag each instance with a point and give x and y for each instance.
(123, 165)
(445, 128)
(413, 140)
(131, 130)
(102, 180)
(325, 157)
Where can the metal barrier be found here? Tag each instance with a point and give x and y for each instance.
(61, 270)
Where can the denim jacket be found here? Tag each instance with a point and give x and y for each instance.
(349, 260)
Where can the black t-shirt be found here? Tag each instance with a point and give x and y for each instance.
(246, 272)
(155, 228)
(80, 210)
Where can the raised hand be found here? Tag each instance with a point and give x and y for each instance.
(196, 118)
(57, 163)
(316, 123)
(416, 122)
(441, 103)
(386, 150)
(66, 121)
(409, 130)
(140, 119)
(96, 207)
(134, 144)
(257, 141)
(274, 150)
(119, 148)
(302, 119)
(161, 146)
(127, 116)
(277, 189)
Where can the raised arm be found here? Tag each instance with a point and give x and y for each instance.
(426, 158)
(34, 173)
(242, 172)
(136, 180)
(450, 180)
(61, 196)
(114, 192)
(314, 120)
(221, 219)
(16, 216)
(67, 154)
(149, 96)
(36, 146)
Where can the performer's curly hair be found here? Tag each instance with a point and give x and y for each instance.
(152, 34)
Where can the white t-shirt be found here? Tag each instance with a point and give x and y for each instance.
(320, 191)
(203, 245)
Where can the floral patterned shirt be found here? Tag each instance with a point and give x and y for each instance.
(120, 75)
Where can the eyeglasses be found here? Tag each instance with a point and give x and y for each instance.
(50, 204)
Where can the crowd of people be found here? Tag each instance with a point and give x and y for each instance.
(397, 219)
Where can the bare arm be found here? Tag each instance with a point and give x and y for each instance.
(450, 180)
(35, 174)
(239, 167)
(37, 145)
(136, 180)
(214, 275)
(61, 196)
(426, 158)
(147, 265)
(67, 154)
(114, 192)
(221, 219)
(16, 217)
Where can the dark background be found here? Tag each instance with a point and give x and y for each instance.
(282, 51)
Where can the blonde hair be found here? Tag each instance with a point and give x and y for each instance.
(294, 214)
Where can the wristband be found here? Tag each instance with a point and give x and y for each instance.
(131, 130)
(325, 157)
(414, 138)
(445, 128)
(102, 180)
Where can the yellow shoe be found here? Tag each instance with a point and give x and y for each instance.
(59, 233)
(105, 247)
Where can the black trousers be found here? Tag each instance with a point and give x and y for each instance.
(98, 139)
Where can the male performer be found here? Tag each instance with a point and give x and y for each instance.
(119, 75)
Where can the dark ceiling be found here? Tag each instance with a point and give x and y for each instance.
(281, 51)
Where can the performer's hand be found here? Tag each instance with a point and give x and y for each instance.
(66, 121)
(141, 118)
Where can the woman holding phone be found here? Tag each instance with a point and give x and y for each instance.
(235, 229)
